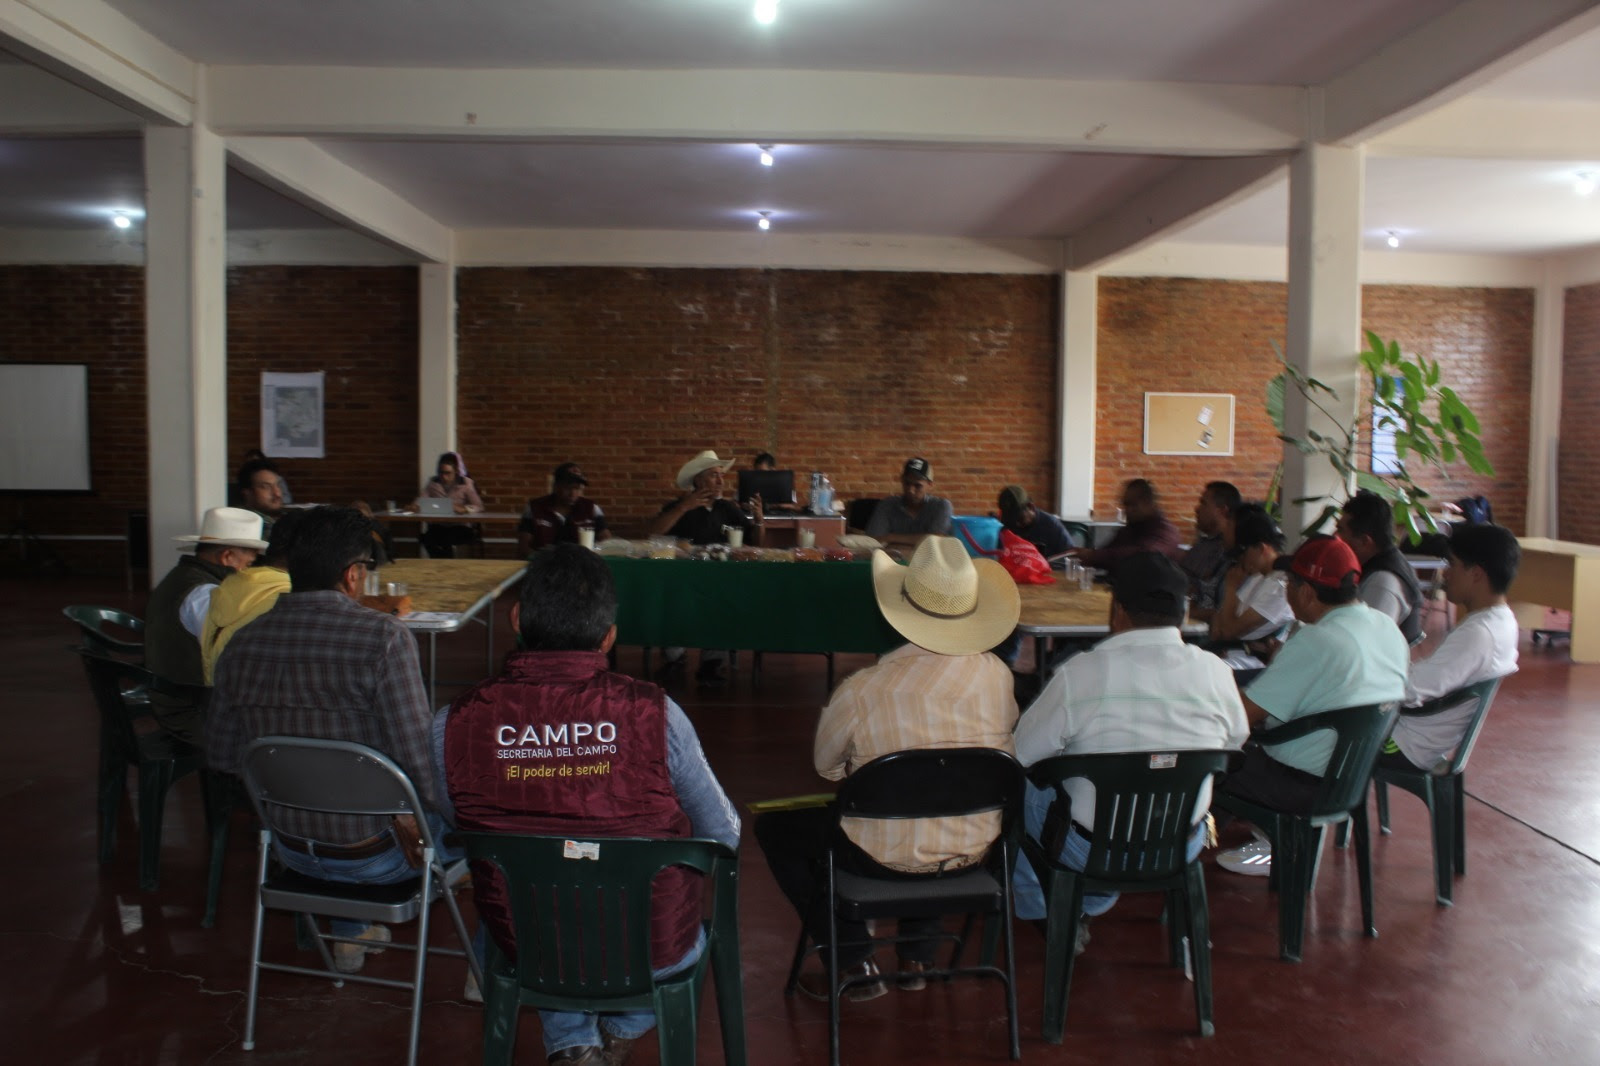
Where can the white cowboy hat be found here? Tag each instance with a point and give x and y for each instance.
(946, 601)
(229, 527)
(694, 467)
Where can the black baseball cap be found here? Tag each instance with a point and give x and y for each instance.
(569, 474)
(1150, 584)
(917, 467)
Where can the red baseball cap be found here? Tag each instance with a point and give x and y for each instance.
(1322, 561)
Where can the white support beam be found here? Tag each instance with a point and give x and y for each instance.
(93, 45)
(789, 251)
(1481, 127)
(1324, 334)
(1544, 425)
(745, 105)
(1442, 59)
(1076, 402)
(36, 103)
(1192, 190)
(307, 173)
(436, 365)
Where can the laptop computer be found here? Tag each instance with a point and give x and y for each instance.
(435, 505)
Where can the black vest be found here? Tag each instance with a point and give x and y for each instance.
(171, 651)
(1390, 561)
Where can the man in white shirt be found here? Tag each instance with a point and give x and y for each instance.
(1140, 689)
(1482, 562)
(1344, 655)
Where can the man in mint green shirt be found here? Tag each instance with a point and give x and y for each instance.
(1344, 655)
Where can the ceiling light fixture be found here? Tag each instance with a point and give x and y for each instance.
(766, 154)
(1586, 183)
(120, 220)
(764, 223)
(1394, 239)
(766, 12)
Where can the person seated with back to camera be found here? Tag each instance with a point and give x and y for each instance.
(1482, 562)
(657, 782)
(1254, 608)
(702, 515)
(450, 483)
(903, 521)
(1140, 689)
(556, 518)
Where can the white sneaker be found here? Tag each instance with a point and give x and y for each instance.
(349, 958)
(1253, 859)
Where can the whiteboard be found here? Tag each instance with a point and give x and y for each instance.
(44, 427)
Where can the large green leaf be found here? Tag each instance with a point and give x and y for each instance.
(1275, 401)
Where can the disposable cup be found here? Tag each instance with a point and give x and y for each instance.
(808, 538)
(586, 537)
(735, 537)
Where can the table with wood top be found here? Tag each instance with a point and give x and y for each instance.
(1565, 575)
(446, 594)
(1065, 610)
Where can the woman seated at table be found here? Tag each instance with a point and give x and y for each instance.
(451, 483)
(1255, 604)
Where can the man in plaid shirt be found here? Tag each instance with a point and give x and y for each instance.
(321, 665)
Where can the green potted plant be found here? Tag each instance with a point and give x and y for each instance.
(1429, 422)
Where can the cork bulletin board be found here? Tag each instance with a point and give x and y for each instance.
(1188, 423)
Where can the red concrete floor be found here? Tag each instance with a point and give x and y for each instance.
(94, 971)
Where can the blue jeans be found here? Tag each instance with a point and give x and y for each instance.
(1027, 895)
(574, 1028)
(386, 868)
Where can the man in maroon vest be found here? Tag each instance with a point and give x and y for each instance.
(636, 770)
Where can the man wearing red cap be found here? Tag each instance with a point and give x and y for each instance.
(1345, 654)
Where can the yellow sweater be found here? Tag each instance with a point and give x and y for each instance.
(239, 600)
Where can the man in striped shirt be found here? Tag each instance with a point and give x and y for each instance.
(941, 690)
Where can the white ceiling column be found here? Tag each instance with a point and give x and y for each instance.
(1324, 314)
(1076, 381)
(436, 365)
(1544, 425)
(185, 332)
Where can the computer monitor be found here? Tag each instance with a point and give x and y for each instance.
(775, 487)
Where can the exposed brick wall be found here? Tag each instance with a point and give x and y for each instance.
(1483, 340)
(93, 315)
(1579, 478)
(1185, 335)
(359, 326)
(630, 372)
(1191, 335)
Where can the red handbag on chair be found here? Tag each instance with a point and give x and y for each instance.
(1020, 558)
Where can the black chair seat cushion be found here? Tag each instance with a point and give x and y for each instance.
(971, 890)
(293, 891)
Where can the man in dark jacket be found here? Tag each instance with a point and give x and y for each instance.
(229, 540)
(559, 744)
(1145, 529)
(1388, 584)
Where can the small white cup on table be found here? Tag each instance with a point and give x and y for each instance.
(807, 538)
(586, 537)
(735, 536)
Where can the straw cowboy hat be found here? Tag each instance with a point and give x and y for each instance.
(228, 527)
(946, 601)
(698, 465)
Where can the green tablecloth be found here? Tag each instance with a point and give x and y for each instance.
(809, 607)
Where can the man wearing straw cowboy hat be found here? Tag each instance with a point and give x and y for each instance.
(702, 516)
(940, 690)
(229, 540)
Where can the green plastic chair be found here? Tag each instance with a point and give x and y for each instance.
(575, 952)
(93, 622)
(1143, 819)
(1297, 838)
(119, 689)
(1443, 789)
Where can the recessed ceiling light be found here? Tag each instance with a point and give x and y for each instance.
(766, 12)
(764, 222)
(1394, 239)
(120, 220)
(766, 155)
(1585, 184)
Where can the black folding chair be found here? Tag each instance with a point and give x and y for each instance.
(933, 783)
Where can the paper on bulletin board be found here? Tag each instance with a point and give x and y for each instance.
(1188, 423)
(291, 416)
